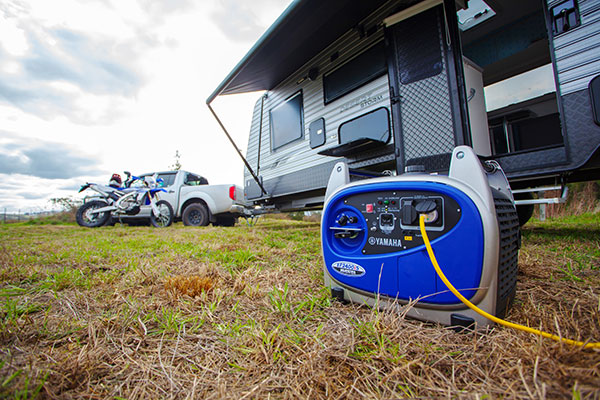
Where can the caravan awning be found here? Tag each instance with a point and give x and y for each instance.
(300, 33)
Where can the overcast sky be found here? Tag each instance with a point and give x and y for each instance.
(92, 87)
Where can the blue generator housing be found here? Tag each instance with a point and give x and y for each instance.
(373, 248)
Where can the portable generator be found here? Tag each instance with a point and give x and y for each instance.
(374, 252)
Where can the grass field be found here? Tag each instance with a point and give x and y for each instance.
(137, 313)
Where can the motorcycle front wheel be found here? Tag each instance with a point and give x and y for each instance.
(87, 218)
(165, 216)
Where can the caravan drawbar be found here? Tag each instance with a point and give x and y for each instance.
(389, 86)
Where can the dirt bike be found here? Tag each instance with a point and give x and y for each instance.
(127, 200)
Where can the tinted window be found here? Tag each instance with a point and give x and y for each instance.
(287, 122)
(195, 180)
(167, 178)
(374, 125)
(355, 73)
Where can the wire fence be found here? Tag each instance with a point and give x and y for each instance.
(8, 217)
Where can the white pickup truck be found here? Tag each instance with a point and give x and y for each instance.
(195, 202)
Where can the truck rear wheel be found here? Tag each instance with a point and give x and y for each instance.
(195, 214)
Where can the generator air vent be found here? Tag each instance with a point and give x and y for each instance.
(508, 225)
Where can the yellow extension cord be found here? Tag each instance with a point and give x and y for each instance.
(491, 317)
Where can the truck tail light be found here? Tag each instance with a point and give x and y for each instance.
(232, 192)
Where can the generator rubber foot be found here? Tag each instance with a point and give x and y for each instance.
(338, 294)
(460, 323)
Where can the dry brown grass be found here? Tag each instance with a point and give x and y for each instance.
(583, 198)
(91, 314)
(191, 286)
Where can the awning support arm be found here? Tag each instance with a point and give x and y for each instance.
(260, 128)
(238, 150)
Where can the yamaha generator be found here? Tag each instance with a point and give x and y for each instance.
(374, 252)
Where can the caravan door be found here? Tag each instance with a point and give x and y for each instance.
(513, 45)
(426, 85)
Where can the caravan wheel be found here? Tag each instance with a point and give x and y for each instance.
(524, 211)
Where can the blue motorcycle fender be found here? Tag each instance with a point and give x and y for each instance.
(151, 193)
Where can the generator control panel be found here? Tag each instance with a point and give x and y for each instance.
(390, 219)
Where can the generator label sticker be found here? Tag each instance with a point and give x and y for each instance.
(348, 268)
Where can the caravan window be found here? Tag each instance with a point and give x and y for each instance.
(287, 122)
(360, 70)
(374, 125)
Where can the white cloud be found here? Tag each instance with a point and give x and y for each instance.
(12, 37)
(118, 86)
(43, 159)
(27, 193)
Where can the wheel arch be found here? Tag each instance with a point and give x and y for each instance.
(194, 200)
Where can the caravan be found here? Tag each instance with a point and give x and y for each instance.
(390, 86)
